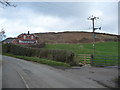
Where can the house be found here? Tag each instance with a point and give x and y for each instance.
(9, 40)
(27, 38)
(23, 39)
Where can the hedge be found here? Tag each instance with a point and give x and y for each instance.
(57, 55)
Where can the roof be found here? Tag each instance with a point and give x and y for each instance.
(8, 40)
(26, 34)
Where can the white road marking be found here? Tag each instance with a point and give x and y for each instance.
(27, 86)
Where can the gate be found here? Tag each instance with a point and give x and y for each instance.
(83, 59)
(105, 60)
(97, 60)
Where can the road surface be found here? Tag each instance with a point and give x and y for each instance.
(18, 73)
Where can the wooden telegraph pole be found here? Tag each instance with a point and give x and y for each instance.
(93, 18)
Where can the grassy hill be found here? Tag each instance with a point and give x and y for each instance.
(73, 37)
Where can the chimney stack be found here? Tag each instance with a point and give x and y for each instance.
(28, 33)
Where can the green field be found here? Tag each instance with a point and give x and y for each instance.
(104, 48)
(106, 53)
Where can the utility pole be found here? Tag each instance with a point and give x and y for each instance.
(93, 18)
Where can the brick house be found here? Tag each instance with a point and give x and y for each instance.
(27, 38)
(23, 38)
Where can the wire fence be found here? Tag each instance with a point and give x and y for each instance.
(105, 60)
(97, 60)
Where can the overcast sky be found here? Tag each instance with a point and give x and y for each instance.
(58, 16)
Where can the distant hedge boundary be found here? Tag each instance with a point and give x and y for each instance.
(57, 55)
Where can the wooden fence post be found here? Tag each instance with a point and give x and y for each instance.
(92, 59)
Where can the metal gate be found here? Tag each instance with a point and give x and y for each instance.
(105, 60)
(97, 60)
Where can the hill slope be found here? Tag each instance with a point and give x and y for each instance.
(75, 37)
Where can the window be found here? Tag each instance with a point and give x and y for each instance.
(32, 37)
(24, 37)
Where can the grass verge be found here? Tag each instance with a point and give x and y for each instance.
(40, 60)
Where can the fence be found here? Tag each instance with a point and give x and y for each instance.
(97, 60)
(105, 60)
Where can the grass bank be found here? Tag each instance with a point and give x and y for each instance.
(39, 60)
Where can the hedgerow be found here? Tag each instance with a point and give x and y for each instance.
(56, 55)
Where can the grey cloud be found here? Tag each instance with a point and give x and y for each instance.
(76, 11)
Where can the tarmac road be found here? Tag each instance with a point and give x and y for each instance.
(18, 73)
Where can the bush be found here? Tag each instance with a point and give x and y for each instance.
(57, 55)
(62, 55)
(6, 48)
(38, 45)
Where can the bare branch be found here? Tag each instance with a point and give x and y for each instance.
(7, 3)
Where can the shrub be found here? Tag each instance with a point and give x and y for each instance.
(62, 55)
(57, 55)
(6, 48)
(38, 45)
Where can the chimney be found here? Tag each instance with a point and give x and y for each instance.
(28, 33)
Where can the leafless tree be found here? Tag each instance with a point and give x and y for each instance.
(7, 3)
(2, 34)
